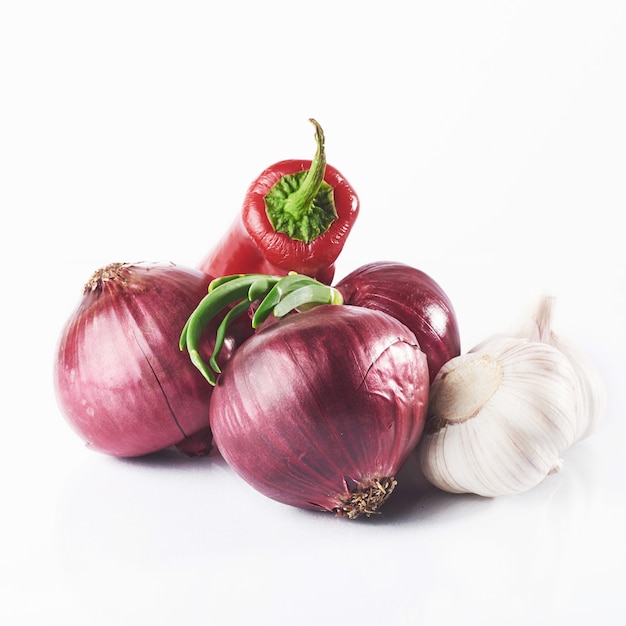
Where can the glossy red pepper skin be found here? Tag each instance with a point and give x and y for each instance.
(252, 246)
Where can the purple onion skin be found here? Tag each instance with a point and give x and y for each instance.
(414, 298)
(122, 382)
(320, 403)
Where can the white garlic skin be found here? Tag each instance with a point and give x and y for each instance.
(591, 390)
(500, 416)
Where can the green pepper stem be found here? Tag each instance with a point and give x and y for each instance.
(302, 205)
(300, 200)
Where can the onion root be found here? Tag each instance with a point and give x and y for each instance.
(367, 499)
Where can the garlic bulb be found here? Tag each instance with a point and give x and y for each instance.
(591, 401)
(499, 418)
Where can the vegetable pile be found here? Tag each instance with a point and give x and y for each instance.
(316, 393)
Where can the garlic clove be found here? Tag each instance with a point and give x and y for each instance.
(499, 418)
(591, 390)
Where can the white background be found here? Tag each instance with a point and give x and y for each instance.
(487, 142)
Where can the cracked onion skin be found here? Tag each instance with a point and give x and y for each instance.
(414, 298)
(121, 382)
(321, 409)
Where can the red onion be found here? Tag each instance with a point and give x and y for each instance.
(414, 298)
(121, 381)
(320, 409)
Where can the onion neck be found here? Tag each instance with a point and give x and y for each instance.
(277, 295)
(113, 271)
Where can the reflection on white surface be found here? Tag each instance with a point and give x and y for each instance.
(175, 535)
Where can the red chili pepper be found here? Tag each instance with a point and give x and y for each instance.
(295, 218)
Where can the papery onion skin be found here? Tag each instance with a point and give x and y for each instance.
(414, 298)
(320, 404)
(120, 379)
